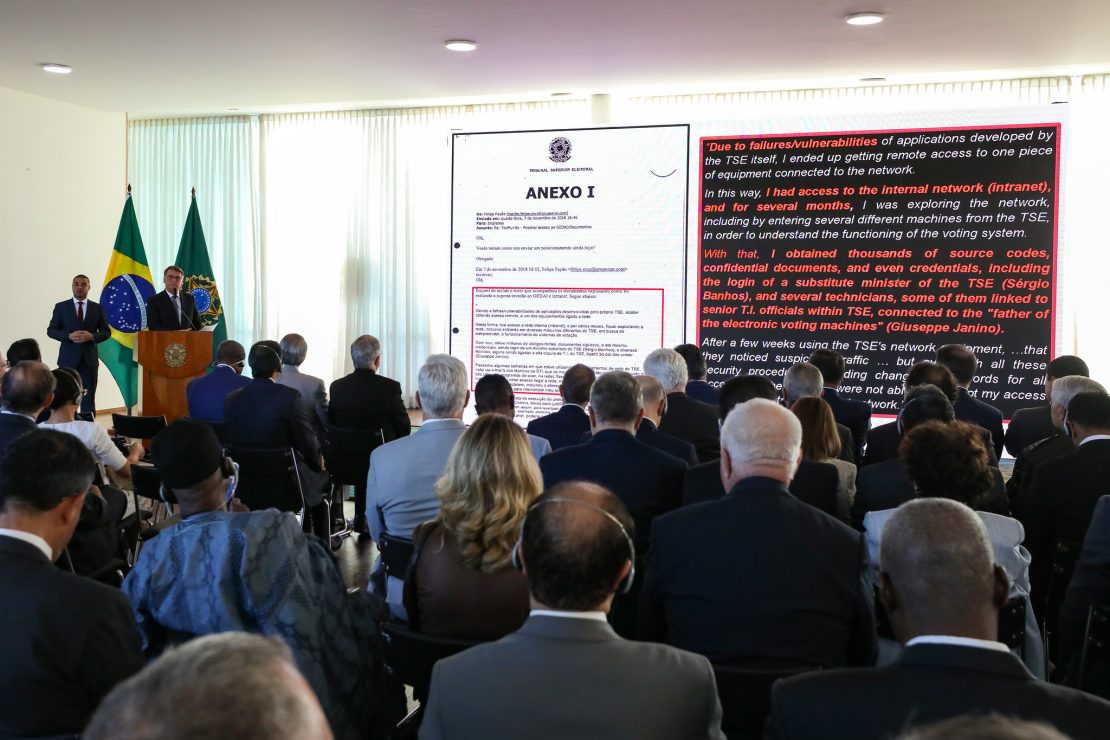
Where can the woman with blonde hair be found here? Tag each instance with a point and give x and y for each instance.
(821, 443)
(461, 582)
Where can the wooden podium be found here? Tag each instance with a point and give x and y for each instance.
(170, 359)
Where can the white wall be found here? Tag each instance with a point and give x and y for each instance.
(62, 184)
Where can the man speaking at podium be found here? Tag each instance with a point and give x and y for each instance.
(173, 309)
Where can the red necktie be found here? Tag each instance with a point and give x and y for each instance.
(81, 312)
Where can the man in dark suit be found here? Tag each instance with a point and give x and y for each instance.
(1089, 585)
(963, 364)
(804, 380)
(758, 578)
(856, 415)
(813, 482)
(67, 640)
(565, 673)
(366, 400)
(1065, 491)
(942, 591)
(696, 387)
(687, 419)
(206, 395)
(267, 415)
(565, 427)
(79, 325)
(883, 441)
(173, 309)
(655, 406)
(294, 349)
(1030, 425)
(27, 389)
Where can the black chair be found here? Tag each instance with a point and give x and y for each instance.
(147, 484)
(1011, 624)
(396, 554)
(1094, 659)
(269, 479)
(347, 453)
(1064, 557)
(745, 695)
(85, 416)
(219, 427)
(409, 658)
(138, 427)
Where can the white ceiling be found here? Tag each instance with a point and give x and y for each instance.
(206, 56)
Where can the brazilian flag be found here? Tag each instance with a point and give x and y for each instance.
(127, 288)
(192, 257)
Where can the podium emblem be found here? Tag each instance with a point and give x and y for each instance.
(175, 355)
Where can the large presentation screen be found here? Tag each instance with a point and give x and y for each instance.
(568, 246)
(882, 245)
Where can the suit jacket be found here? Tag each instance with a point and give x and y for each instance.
(886, 485)
(265, 414)
(969, 408)
(1020, 486)
(815, 483)
(67, 641)
(648, 481)
(1027, 426)
(759, 578)
(13, 426)
(695, 422)
(856, 415)
(562, 428)
(64, 321)
(570, 678)
(206, 395)
(366, 400)
(1062, 502)
(847, 444)
(926, 684)
(1089, 585)
(699, 390)
(650, 435)
(883, 442)
(162, 316)
(312, 393)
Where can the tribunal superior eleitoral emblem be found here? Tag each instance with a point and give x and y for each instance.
(559, 149)
(175, 355)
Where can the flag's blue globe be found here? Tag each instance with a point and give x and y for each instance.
(124, 300)
(203, 298)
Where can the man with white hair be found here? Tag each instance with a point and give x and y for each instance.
(804, 380)
(942, 590)
(400, 488)
(687, 419)
(758, 577)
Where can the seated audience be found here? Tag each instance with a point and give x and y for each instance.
(206, 395)
(565, 673)
(856, 415)
(67, 640)
(400, 488)
(696, 387)
(942, 591)
(1030, 425)
(494, 395)
(1089, 586)
(759, 578)
(461, 583)
(1064, 492)
(655, 407)
(225, 571)
(951, 461)
(366, 400)
(821, 443)
(23, 349)
(963, 364)
(27, 390)
(565, 427)
(883, 441)
(686, 418)
(803, 380)
(293, 351)
(815, 483)
(234, 686)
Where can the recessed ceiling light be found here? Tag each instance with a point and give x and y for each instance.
(58, 69)
(864, 19)
(460, 45)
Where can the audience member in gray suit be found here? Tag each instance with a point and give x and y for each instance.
(293, 351)
(494, 395)
(565, 673)
(400, 488)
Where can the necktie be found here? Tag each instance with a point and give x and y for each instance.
(177, 305)
(80, 312)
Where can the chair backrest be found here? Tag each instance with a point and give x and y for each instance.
(1094, 658)
(138, 427)
(348, 453)
(411, 655)
(147, 484)
(1011, 624)
(396, 554)
(745, 695)
(219, 427)
(268, 478)
(1064, 557)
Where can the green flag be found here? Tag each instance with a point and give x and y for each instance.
(127, 288)
(192, 257)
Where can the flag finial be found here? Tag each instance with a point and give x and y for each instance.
(129, 189)
(194, 193)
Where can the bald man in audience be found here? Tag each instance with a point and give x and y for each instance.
(759, 578)
(942, 591)
(206, 395)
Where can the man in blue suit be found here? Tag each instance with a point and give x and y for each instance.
(79, 325)
(566, 426)
(206, 395)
